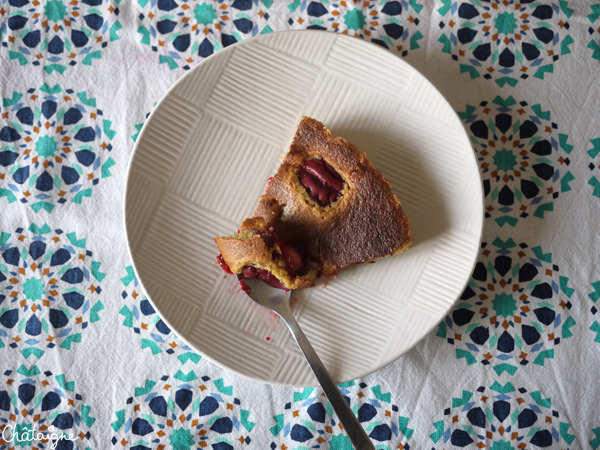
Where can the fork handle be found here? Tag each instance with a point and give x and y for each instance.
(353, 428)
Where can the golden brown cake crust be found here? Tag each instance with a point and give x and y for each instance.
(238, 253)
(366, 223)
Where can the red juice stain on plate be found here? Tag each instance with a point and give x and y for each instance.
(293, 303)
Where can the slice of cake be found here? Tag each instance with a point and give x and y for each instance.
(326, 199)
(257, 252)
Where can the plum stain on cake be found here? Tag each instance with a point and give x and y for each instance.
(326, 208)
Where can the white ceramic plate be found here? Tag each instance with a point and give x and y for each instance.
(203, 159)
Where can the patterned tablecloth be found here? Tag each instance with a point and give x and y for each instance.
(82, 352)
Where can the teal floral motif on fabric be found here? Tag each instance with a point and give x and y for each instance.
(523, 156)
(595, 442)
(181, 439)
(501, 417)
(505, 160)
(506, 41)
(354, 19)
(205, 13)
(50, 289)
(55, 147)
(184, 32)
(310, 422)
(55, 10)
(46, 146)
(394, 25)
(140, 316)
(33, 289)
(505, 23)
(43, 410)
(515, 311)
(594, 166)
(594, 31)
(504, 305)
(594, 296)
(58, 34)
(139, 126)
(183, 412)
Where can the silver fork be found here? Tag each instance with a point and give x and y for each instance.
(278, 301)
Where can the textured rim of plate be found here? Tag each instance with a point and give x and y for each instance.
(140, 140)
